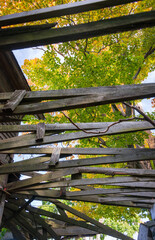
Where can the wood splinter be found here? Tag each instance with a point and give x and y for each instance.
(15, 99)
(55, 156)
(40, 132)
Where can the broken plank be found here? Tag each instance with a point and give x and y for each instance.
(16, 97)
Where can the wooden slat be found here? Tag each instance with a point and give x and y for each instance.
(71, 33)
(14, 101)
(118, 181)
(39, 163)
(92, 199)
(79, 151)
(136, 184)
(97, 226)
(129, 90)
(15, 231)
(29, 139)
(83, 101)
(128, 126)
(38, 179)
(24, 224)
(33, 28)
(112, 192)
(55, 156)
(40, 132)
(118, 171)
(60, 10)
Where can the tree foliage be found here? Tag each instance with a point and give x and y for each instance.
(122, 58)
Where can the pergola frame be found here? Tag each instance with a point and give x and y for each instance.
(135, 187)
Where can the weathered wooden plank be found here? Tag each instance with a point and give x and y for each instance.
(81, 31)
(143, 232)
(118, 171)
(75, 92)
(14, 101)
(24, 224)
(32, 28)
(96, 225)
(79, 151)
(118, 181)
(112, 192)
(39, 163)
(85, 217)
(40, 132)
(15, 231)
(129, 126)
(41, 222)
(84, 101)
(92, 199)
(55, 156)
(38, 179)
(136, 184)
(42, 164)
(65, 219)
(29, 139)
(60, 10)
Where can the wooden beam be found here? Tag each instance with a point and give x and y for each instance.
(60, 10)
(77, 151)
(116, 95)
(29, 139)
(37, 179)
(81, 31)
(129, 90)
(42, 164)
(40, 132)
(127, 126)
(117, 181)
(55, 156)
(99, 227)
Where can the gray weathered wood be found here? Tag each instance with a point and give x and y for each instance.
(14, 101)
(29, 139)
(55, 156)
(79, 151)
(40, 132)
(60, 10)
(84, 101)
(39, 163)
(38, 179)
(143, 232)
(129, 90)
(71, 33)
(128, 126)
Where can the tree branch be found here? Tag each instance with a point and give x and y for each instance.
(106, 130)
(141, 112)
(149, 52)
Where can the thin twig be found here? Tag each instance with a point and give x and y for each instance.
(149, 52)
(106, 130)
(141, 112)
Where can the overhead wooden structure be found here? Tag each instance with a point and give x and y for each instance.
(51, 177)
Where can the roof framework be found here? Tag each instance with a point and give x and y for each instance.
(133, 187)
